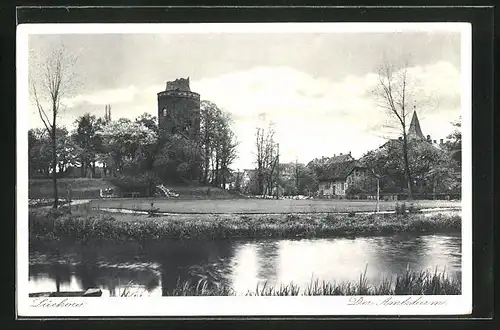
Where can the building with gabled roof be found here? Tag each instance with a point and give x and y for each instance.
(337, 173)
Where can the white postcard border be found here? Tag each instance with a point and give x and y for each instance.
(235, 306)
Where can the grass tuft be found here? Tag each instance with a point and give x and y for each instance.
(408, 283)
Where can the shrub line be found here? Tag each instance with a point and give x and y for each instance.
(47, 223)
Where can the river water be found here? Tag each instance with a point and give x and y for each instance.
(154, 269)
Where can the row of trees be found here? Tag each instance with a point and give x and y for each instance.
(129, 147)
(434, 170)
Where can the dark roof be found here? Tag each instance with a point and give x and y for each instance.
(415, 130)
(337, 168)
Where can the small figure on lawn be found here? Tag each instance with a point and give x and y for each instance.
(153, 211)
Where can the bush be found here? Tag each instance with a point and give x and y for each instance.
(144, 183)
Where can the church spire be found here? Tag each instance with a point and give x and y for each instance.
(415, 130)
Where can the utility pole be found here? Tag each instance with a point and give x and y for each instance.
(378, 189)
(296, 176)
(378, 194)
(278, 171)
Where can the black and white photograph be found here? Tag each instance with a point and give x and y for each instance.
(244, 169)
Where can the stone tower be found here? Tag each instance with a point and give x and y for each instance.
(179, 109)
(179, 113)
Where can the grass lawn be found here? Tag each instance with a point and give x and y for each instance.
(260, 206)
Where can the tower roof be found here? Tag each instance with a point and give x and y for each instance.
(415, 129)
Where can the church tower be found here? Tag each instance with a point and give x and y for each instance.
(415, 131)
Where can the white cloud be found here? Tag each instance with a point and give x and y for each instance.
(313, 116)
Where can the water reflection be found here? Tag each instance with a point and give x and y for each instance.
(156, 268)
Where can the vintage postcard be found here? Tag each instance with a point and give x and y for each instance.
(244, 169)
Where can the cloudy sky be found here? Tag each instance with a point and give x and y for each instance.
(317, 88)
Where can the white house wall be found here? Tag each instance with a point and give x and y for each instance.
(335, 188)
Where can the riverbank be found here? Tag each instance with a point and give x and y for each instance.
(98, 225)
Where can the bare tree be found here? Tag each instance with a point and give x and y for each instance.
(394, 93)
(51, 82)
(266, 159)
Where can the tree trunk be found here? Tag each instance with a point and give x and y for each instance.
(223, 177)
(260, 181)
(54, 162)
(434, 189)
(84, 168)
(217, 170)
(207, 163)
(407, 165)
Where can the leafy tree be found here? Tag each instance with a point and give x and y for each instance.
(149, 152)
(126, 141)
(387, 164)
(307, 181)
(226, 151)
(177, 159)
(148, 121)
(300, 179)
(217, 144)
(433, 169)
(429, 165)
(87, 141)
(362, 185)
(67, 151)
(238, 181)
(454, 140)
(40, 153)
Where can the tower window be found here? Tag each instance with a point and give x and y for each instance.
(164, 111)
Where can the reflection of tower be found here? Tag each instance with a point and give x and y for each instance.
(107, 113)
(179, 109)
(191, 261)
(268, 257)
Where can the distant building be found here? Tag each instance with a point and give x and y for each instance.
(247, 176)
(339, 171)
(288, 171)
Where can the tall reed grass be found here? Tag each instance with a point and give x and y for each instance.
(408, 283)
(86, 225)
